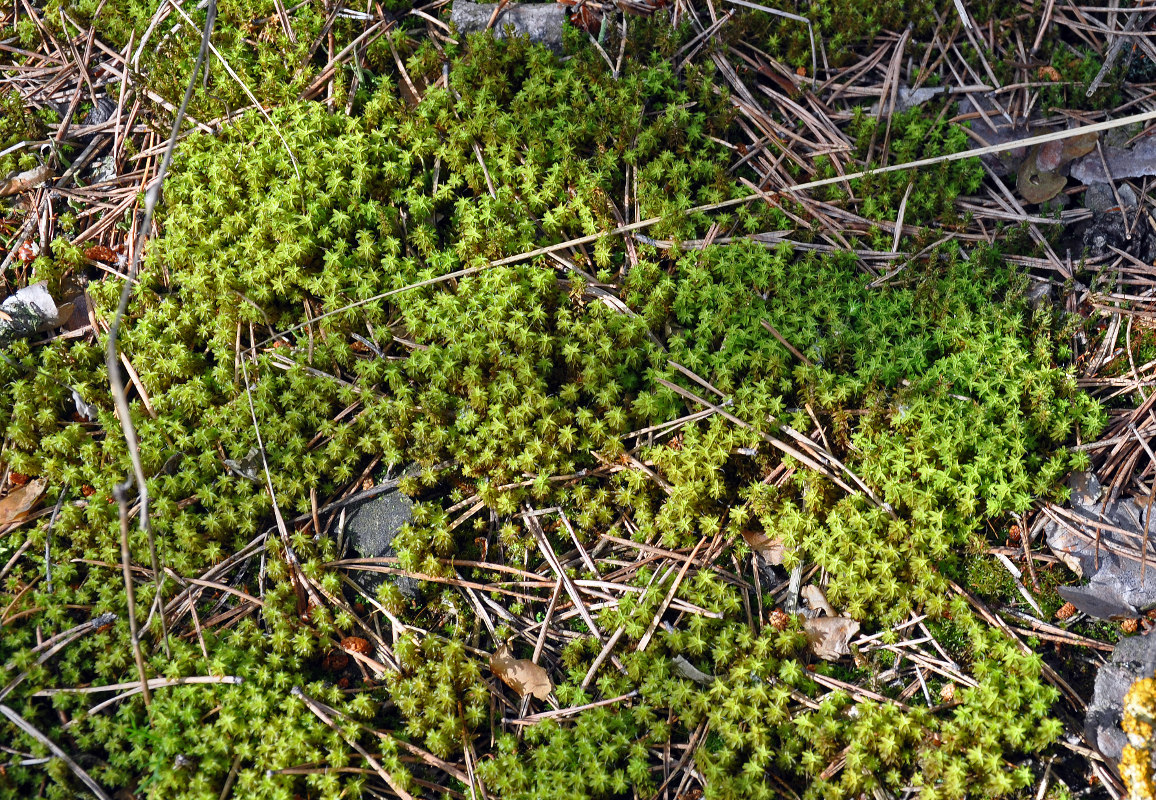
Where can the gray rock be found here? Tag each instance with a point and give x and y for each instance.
(1099, 197)
(1110, 229)
(1085, 489)
(1134, 162)
(907, 99)
(1041, 294)
(103, 169)
(1115, 587)
(31, 310)
(542, 23)
(370, 526)
(101, 112)
(1133, 658)
(996, 130)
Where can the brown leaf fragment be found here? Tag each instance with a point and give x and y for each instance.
(521, 674)
(20, 501)
(28, 251)
(816, 599)
(770, 549)
(829, 636)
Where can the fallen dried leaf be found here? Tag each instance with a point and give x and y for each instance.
(816, 599)
(28, 251)
(829, 636)
(1039, 174)
(520, 674)
(20, 501)
(770, 549)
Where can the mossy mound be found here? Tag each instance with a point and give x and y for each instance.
(942, 391)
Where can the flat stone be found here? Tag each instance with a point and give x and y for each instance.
(1137, 161)
(1117, 586)
(995, 130)
(31, 310)
(370, 527)
(1041, 294)
(1133, 658)
(1100, 198)
(1110, 229)
(541, 22)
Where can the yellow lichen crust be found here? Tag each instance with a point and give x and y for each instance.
(1136, 759)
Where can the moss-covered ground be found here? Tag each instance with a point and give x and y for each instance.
(295, 306)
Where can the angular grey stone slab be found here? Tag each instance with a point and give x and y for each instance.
(370, 526)
(1117, 586)
(542, 23)
(1133, 658)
